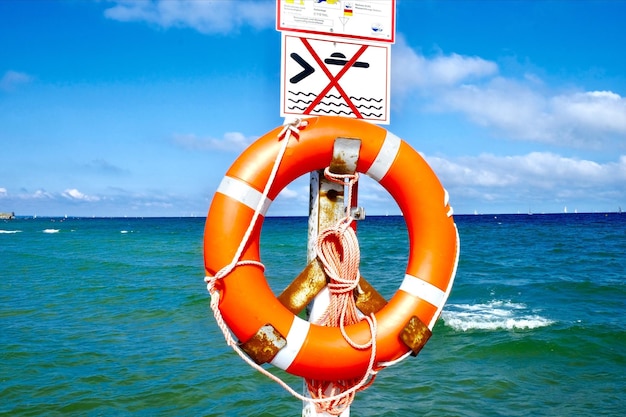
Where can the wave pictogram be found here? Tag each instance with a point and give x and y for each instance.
(335, 104)
(377, 100)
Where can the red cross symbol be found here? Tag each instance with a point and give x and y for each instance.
(334, 80)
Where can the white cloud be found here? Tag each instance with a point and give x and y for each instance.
(75, 195)
(591, 119)
(232, 141)
(288, 193)
(201, 15)
(13, 79)
(592, 112)
(39, 194)
(503, 104)
(519, 108)
(543, 169)
(411, 70)
(542, 181)
(112, 202)
(537, 176)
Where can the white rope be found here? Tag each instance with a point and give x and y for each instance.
(291, 128)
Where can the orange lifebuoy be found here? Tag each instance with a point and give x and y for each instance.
(246, 301)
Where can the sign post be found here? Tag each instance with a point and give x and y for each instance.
(335, 60)
(326, 207)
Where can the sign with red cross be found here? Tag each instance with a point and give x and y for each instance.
(323, 76)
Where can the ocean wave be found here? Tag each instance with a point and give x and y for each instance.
(9, 232)
(51, 230)
(493, 315)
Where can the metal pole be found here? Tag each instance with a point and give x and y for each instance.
(326, 207)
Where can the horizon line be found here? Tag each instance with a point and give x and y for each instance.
(36, 216)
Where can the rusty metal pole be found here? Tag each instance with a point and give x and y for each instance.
(327, 206)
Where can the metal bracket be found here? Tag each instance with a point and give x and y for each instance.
(345, 155)
(415, 334)
(368, 300)
(264, 345)
(345, 158)
(357, 213)
(304, 288)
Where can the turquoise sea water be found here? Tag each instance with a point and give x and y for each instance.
(110, 317)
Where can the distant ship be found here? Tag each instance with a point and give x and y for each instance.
(7, 216)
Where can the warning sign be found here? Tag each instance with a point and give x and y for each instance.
(326, 77)
(372, 20)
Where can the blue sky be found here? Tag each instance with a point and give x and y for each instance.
(131, 108)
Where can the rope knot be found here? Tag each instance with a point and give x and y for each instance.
(210, 283)
(292, 128)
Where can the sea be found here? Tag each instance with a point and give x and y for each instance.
(111, 317)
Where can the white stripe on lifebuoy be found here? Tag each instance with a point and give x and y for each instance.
(385, 158)
(295, 339)
(244, 193)
(423, 290)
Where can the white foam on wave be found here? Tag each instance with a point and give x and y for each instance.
(9, 232)
(493, 315)
(52, 230)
